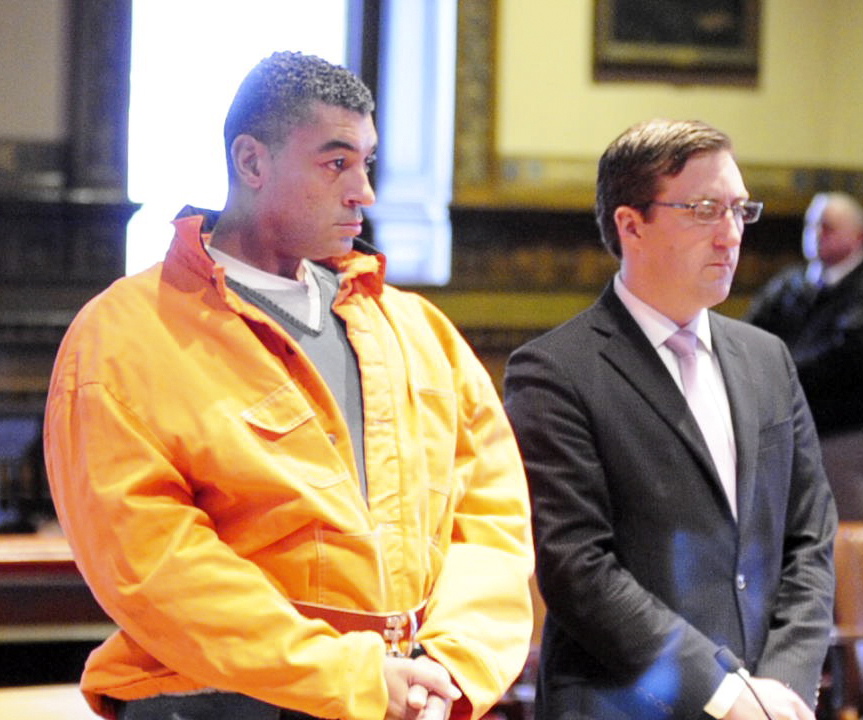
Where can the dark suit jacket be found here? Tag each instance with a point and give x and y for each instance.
(824, 333)
(644, 571)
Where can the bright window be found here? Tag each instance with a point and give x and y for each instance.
(188, 58)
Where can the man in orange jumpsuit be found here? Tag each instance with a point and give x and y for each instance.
(291, 485)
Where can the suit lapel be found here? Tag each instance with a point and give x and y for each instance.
(631, 353)
(743, 400)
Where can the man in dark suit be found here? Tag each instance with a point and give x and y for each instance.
(662, 539)
(817, 309)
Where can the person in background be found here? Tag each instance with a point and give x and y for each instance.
(292, 486)
(682, 521)
(817, 309)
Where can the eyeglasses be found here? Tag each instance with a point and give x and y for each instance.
(708, 212)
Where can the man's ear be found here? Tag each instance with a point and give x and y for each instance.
(629, 222)
(249, 157)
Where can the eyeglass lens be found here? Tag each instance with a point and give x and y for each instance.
(711, 211)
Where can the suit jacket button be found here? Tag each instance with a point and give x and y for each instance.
(741, 582)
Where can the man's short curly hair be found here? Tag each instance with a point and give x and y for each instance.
(279, 93)
(632, 167)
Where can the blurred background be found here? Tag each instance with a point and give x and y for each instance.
(492, 116)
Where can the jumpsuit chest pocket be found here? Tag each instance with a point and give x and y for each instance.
(291, 436)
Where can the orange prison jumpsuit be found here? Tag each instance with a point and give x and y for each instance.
(204, 477)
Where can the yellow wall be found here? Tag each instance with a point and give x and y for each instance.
(807, 109)
(33, 69)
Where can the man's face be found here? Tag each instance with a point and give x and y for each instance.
(315, 186)
(676, 264)
(837, 233)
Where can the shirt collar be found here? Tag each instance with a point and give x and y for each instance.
(833, 274)
(657, 326)
(364, 265)
(255, 278)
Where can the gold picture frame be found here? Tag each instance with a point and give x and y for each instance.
(679, 41)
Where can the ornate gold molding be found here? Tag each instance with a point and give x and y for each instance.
(568, 183)
(475, 97)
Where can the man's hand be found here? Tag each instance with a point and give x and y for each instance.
(418, 689)
(781, 702)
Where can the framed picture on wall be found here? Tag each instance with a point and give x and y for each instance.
(681, 41)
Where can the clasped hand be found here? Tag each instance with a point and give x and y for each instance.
(419, 689)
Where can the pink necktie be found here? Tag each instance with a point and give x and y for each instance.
(706, 412)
